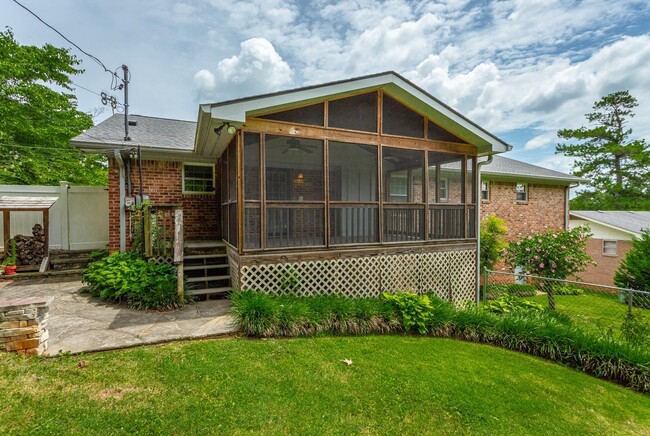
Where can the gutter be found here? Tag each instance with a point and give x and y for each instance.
(478, 226)
(567, 190)
(120, 163)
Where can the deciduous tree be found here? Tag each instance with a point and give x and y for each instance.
(39, 115)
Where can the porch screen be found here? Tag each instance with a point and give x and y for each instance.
(295, 203)
(402, 182)
(354, 199)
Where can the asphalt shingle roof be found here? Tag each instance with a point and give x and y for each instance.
(503, 166)
(149, 132)
(632, 221)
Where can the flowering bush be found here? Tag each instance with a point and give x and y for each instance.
(553, 253)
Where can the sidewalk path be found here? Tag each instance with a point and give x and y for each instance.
(79, 322)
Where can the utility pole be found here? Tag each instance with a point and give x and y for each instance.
(125, 80)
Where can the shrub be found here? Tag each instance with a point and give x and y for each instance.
(414, 310)
(127, 278)
(634, 270)
(96, 255)
(518, 289)
(511, 303)
(493, 230)
(553, 253)
(567, 289)
(636, 329)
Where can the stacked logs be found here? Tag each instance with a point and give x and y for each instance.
(30, 250)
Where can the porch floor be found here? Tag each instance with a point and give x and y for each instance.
(205, 243)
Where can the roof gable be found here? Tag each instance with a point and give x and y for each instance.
(633, 222)
(236, 111)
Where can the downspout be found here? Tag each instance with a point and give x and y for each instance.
(120, 163)
(567, 191)
(477, 222)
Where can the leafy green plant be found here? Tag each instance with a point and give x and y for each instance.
(568, 289)
(493, 230)
(636, 329)
(127, 278)
(10, 260)
(518, 289)
(634, 270)
(415, 310)
(290, 281)
(96, 255)
(511, 303)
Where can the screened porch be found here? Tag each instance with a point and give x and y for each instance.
(299, 192)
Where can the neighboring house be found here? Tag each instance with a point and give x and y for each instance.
(527, 197)
(352, 187)
(612, 239)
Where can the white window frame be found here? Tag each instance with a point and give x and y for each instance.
(403, 179)
(604, 251)
(444, 187)
(525, 185)
(197, 164)
(485, 183)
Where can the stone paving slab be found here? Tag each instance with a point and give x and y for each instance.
(79, 322)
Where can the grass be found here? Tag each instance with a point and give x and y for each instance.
(396, 384)
(595, 312)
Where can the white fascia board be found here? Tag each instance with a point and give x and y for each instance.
(611, 226)
(527, 177)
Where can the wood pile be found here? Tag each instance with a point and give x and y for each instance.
(30, 250)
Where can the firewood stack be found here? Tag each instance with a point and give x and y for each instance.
(30, 250)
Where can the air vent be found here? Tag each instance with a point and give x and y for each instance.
(133, 123)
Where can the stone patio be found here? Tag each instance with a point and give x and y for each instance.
(79, 322)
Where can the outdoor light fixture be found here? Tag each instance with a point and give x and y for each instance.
(231, 129)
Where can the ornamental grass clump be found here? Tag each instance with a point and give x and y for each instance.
(543, 333)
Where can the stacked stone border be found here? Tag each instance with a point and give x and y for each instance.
(23, 325)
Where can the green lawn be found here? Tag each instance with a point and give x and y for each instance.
(596, 312)
(395, 385)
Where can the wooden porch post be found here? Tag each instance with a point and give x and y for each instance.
(178, 252)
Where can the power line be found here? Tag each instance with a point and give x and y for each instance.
(64, 37)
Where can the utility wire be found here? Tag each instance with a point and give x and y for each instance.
(93, 92)
(63, 36)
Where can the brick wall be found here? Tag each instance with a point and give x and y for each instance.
(544, 208)
(603, 272)
(162, 182)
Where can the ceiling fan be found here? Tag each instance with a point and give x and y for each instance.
(294, 144)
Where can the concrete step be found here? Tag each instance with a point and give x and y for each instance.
(211, 291)
(207, 279)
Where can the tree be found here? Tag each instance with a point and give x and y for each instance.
(37, 121)
(553, 253)
(492, 241)
(634, 270)
(617, 166)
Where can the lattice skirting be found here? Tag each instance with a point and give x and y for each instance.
(450, 274)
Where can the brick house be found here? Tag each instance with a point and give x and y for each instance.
(527, 197)
(352, 187)
(612, 239)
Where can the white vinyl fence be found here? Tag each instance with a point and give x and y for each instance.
(78, 219)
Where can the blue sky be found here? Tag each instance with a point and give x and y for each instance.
(520, 68)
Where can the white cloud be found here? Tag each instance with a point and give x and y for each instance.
(541, 141)
(257, 69)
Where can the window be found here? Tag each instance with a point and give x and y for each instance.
(485, 190)
(442, 190)
(398, 187)
(610, 248)
(521, 191)
(198, 178)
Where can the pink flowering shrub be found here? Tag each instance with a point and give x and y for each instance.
(552, 253)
